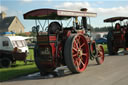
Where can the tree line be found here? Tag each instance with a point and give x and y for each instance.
(96, 29)
(102, 29)
(99, 29)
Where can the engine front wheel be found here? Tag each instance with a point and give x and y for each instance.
(76, 53)
(100, 56)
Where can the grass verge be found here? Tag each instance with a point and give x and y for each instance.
(18, 69)
(105, 48)
(13, 72)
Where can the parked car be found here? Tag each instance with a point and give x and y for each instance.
(101, 41)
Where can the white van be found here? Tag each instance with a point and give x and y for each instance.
(12, 48)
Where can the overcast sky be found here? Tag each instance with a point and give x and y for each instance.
(103, 8)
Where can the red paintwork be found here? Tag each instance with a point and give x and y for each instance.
(83, 46)
(119, 39)
(52, 38)
(68, 33)
(52, 41)
(53, 53)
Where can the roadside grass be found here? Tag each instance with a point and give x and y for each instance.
(105, 48)
(31, 54)
(18, 69)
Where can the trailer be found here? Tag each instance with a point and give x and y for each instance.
(12, 48)
(57, 45)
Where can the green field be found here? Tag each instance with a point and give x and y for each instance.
(105, 48)
(18, 69)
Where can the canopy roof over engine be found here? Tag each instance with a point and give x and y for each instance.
(114, 19)
(54, 14)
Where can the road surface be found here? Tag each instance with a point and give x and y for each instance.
(114, 71)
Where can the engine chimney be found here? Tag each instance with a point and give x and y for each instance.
(84, 19)
(83, 9)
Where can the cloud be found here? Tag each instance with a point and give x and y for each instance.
(27, 0)
(73, 5)
(115, 11)
(100, 2)
(36, 0)
(15, 13)
(49, 0)
(3, 8)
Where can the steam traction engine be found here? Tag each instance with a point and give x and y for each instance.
(118, 35)
(58, 45)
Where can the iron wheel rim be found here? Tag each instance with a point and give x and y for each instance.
(80, 52)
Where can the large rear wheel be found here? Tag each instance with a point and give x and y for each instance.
(76, 53)
(111, 49)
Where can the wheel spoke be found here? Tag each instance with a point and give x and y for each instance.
(74, 49)
(79, 37)
(101, 54)
(76, 43)
(84, 54)
(82, 62)
(82, 58)
(79, 63)
(82, 45)
(100, 58)
(75, 62)
(74, 55)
